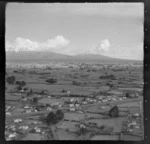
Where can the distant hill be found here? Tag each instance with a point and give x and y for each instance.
(26, 55)
(92, 57)
(39, 56)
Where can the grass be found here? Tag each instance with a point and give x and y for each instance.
(65, 77)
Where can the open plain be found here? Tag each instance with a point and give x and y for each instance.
(84, 92)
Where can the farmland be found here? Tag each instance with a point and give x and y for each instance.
(84, 92)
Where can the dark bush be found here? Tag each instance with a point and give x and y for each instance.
(31, 91)
(102, 127)
(111, 76)
(15, 71)
(51, 80)
(19, 88)
(28, 93)
(25, 89)
(64, 91)
(114, 112)
(127, 95)
(51, 119)
(17, 83)
(35, 100)
(22, 83)
(83, 131)
(47, 105)
(75, 83)
(59, 114)
(10, 80)
(44, 92)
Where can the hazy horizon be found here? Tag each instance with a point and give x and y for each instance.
(109, 29)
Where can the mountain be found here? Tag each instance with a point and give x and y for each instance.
(30, 55)
(92, 57)
(46, 56)
(24, 55)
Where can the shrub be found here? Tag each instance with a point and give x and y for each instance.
(83, 131)
(51, 119)
(17, 83)
(31, 91)
(44, 92)
(15, 71)
(25, 89)
(19, 88)
(127, 95)
(114, 112)
(111, 76)
(64, 91)
(22, 83)
(35, 100)
(51, 80)
(75, 83)
(10, 80)
(60, 115)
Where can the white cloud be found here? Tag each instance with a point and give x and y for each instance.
(57, 41)
(102, 47)
(105, 45)
(21, 44)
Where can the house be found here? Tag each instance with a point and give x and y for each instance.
(72, 109)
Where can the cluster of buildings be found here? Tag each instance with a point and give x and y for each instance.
(133, 124)
(19, 127)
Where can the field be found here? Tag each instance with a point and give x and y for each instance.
(84, 92)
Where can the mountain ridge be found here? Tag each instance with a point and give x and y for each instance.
(32, 55)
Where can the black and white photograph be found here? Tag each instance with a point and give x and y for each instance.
(74, 71)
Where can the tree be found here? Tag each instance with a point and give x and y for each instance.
(51, 80)
(10, 80)
(127, 95)
(83, 131)
(59, 114)
(17, 83)
(31, 91)
(75, 83)
(51, 119)
(64, 91)
(35, 100)
(22, 83)
(19, 88)
(114, 112)
(15, 71)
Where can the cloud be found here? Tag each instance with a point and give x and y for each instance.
(102, 47)
(57, 41)
(21, 44)
(105, 45)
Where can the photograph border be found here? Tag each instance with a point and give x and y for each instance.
(146, 61)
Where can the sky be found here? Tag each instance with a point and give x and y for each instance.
(110, 29)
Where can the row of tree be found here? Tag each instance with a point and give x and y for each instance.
(51, 80)
(111, 76)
